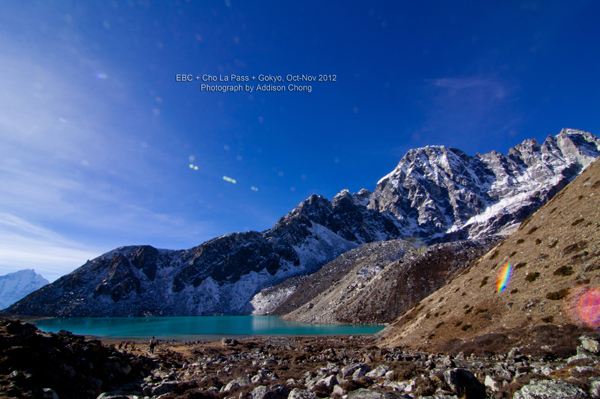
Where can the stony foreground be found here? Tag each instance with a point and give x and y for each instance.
(35, 364)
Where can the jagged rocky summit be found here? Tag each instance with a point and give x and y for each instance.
(435, 194)
(442, 194)
(17, 285)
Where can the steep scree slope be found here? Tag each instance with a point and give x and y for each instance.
(375, 288)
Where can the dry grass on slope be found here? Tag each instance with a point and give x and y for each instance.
(552, 253)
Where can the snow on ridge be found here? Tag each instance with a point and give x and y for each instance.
(387, 177)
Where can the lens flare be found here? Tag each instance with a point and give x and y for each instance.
(229, 179)
(583, 305)
(504, 277)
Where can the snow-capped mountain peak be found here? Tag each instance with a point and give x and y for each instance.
(17, 285)
(441, 193)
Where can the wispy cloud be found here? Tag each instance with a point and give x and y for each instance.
(473, 106)
(493, 88)
(25, 245)
(73, 183)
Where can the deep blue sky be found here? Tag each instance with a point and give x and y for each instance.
(97, 137)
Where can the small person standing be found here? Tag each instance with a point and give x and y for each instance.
(152, 345)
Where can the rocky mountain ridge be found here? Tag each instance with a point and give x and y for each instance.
(442, 194)
(217, 277)
(435, 194)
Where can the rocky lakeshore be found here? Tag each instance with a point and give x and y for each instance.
(36, 364)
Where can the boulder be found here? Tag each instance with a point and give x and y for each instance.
(108, 395)
(581, 356)
(491, 383)
(329, 381)
(164, 388)
(448, 362)
(301, 394)
(278, 391)
(550, 389)
(358, 373)
(351, 369)
(378, 371)
(231, 385)
(50, 394)
(338, 391)
(595, 387)
(259, 378)
(260, 392)
(229, 342)
(590, 345)
(372, 394)
(464, 383)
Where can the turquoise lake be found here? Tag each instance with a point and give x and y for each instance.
(196, 327)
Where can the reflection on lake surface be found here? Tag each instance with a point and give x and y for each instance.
(196, 327)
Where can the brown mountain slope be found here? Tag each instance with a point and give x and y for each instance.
(373, 289)
(553, 252)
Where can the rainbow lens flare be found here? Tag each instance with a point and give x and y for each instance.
(583, 305)
(504, 277)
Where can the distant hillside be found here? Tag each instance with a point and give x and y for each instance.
(554, 253)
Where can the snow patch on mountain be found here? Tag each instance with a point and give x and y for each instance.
(323, 245)
(263, 303)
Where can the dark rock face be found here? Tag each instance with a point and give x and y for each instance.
(145, 259)
(436, 194)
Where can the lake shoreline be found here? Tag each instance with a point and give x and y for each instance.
(197, 328)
